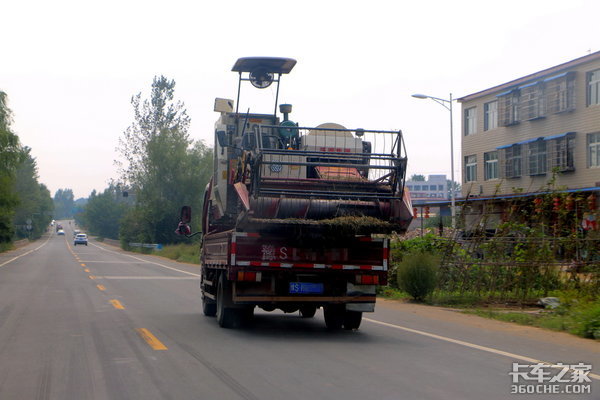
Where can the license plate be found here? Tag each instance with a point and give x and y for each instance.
(306, 288)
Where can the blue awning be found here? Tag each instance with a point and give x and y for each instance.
(556, 77)
(529, 140)
(506, 146)
(508, 196)
(558, 136)
(528, 85)
(505, 93)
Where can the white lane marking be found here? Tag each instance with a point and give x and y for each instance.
(474, 346)
(26, 253)
(147, 262)
(177, 278)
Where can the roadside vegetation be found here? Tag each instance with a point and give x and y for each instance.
(160, 170)
(536, 267)
(187, 253)
(182, 252)
(25, 204)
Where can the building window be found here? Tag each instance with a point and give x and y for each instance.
(432, 187)
(512, 164)
(417, 187)
(441, 187)
(491, 165)
(593, 87)
(536, 157)
(508, 108)
(490, 112)
(471, 168)
(594, 150)
(532, 101)
(470, 121)
(560, 92)
(561, 152)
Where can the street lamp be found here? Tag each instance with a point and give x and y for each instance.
(448, 106)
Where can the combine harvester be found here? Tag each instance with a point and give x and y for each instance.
(293, 216)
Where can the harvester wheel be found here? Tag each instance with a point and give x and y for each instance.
(227, 317)
(352, 320)
(334, 316)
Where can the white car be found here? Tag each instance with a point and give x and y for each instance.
(80, 238)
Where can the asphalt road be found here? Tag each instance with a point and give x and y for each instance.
(94, 322)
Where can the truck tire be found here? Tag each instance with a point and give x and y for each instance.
(308, 311)
(334, 316)
(209, 307)
(352, 320)
(227, 317)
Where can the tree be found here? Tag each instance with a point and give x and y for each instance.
(164, 168)
(417, 178)
(103, 212)
(152, 118)
(453, 185)
(34, 211)
(64, 201)
(11, 155)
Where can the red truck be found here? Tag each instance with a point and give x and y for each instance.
(295, 218)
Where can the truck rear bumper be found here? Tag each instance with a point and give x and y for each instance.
(303, 299)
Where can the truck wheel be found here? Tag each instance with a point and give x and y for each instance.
(308, 311)
(209, 307)
(334, 316)
(227, 317)
(352, 320)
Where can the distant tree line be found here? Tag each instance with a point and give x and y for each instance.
(26, 207)
(64, 204)
(161, 169)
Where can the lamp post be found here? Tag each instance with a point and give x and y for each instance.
(447, 104)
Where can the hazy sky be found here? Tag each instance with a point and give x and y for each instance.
(70, 67)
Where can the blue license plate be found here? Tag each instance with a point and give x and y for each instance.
(306, 288)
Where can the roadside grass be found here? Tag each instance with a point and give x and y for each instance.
(578, 314)
(542, 319)
(581, 319)
(6, 247)
(187, 253)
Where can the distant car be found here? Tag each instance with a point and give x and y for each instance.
(76, 232)
(60, 232)
(80, 238)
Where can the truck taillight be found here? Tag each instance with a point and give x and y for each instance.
(367, 279)
(249, 276)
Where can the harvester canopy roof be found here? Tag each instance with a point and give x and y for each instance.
(276, 65)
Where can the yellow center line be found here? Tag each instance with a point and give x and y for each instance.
(101, 287)
(87, 270)
(82, 264)
(117, 304)
(151, 339)
(92, 277)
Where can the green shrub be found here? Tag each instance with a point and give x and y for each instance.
(417, 273)
(587, 321)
